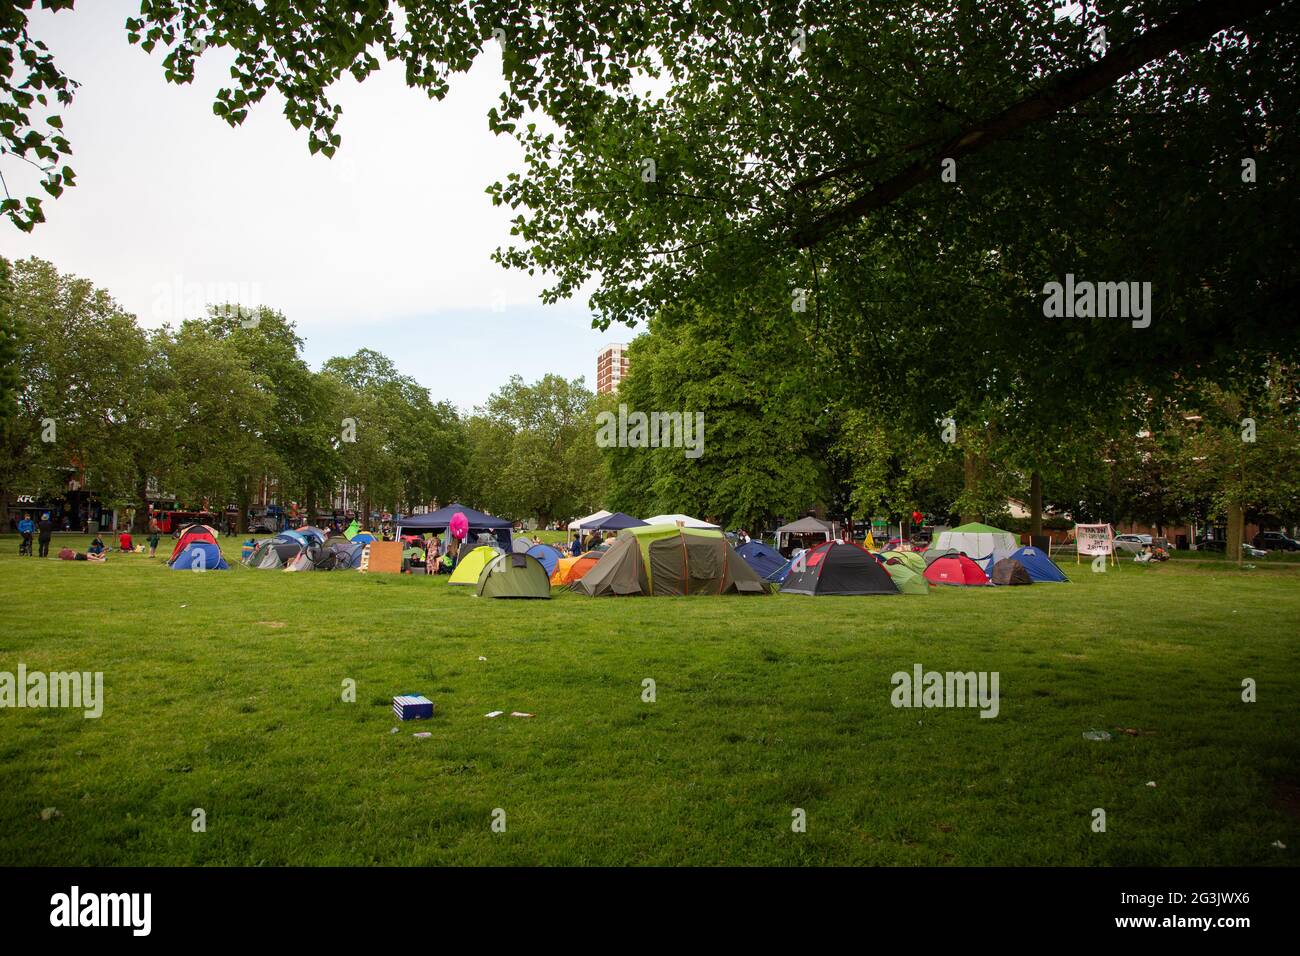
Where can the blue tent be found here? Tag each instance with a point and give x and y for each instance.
(438, 521)
(200, 556)
(615, 522)
(1040, 567)
(547, 555)
(767, 564)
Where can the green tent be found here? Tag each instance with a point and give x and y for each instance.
(907, 579)
(665, 560)
(471, 565)
(909, 559)
(514, 575)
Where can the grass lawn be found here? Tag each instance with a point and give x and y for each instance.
(223, 692)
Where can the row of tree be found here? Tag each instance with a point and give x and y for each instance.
(217, 407)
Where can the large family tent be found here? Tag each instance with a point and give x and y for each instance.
(664, 560)
(549, 557)
(1009, 571)
(977, 540)
(616, 522)
(1041, 568)
(276, 552)
(190, 535)
(803, 527)
(579, 524)
(686, 521)
(514, 575)
(572, 570)
(838, 567)
(471, 565)
(767, 564)
(200, 556)
(956, 569)
(479, 523)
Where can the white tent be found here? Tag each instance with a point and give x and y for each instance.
(686, 521)
(977, 541)
(804, 526)
(577, 524)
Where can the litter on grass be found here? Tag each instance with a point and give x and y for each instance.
(422, 734)
(519, 713)
(495, 713)
(1096, 735)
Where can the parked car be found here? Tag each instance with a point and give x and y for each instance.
(1250, 551)
(1132, 543)
(1275, 541)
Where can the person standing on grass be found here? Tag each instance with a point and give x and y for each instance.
(155, 532)
(25, 528)
(45, 529)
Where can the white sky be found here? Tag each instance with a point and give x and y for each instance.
(386, 246)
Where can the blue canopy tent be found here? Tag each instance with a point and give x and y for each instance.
(437, 522)
(767, 563)
(1040, 567)
(615, 522)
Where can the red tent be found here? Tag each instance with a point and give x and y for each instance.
(956, 569)
(195, 532)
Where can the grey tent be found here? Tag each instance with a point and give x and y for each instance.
(934, 554)
(513, 576)
(663, 560)
(803, 527)
(1010, 571)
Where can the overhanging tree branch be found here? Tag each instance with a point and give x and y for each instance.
(1194, 26)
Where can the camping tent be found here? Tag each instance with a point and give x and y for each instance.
(547, 555)
(191, 534)
(767, 564)
(686, 521)
(1041, 568)
(437, 521)
(616, 522)
(275, 552)
(838, 567)
(513, 575)
(977, 540)
(471, 565)
(908, 559)
(955, 569)
(571, 570)
(364, 537)
(580, 523)
(520, 545)
(934, 554)
(1010, 571)
(666, 560)
(906, 578)
(200, 556)
(804, 526)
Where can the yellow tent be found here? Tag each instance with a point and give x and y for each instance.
(469, 566)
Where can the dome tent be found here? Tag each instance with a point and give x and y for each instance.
(572, 570)
(200, 556)
(956, 569)
(767, 563)
(1009, 571)
(513, 575)
(906, 578)
(977, 540)
(838, 567)
(1040, 567)
(191, 534)
(549, 557)
(276, 552)
(910, 559)
(471, 565)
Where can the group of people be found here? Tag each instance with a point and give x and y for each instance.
(43, 531)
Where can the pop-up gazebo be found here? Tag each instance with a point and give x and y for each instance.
(804, 526)
(437, 522)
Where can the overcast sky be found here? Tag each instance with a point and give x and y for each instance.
(386, 246)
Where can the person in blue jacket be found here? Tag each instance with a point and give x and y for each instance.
(26, 528)
(576, 548)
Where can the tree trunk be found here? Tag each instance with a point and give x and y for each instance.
(1035, 503)
(141, 523)
(1236, 527)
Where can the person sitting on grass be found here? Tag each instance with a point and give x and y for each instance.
(96, 546)
(124, 542)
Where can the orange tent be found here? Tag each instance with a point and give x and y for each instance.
(568, 570)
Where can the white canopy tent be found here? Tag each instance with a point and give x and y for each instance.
(578, 523)
(804, 526)
(686, 521)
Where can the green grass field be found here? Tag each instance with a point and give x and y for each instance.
(223, 691)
